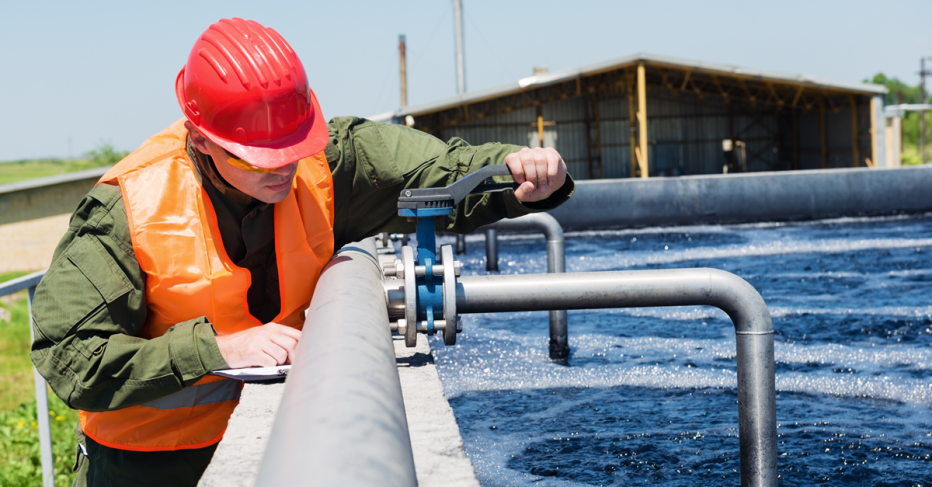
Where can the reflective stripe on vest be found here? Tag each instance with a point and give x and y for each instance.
(225, 390)
(189, 275)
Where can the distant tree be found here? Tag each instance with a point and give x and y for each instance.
(894, 85)
(105, 155)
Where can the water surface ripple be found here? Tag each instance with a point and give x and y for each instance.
(649, 395)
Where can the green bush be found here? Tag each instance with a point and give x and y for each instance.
(105, 155)
(20, 461)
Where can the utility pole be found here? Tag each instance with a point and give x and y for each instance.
(460, 55)
(923, 125)
(461, 90)
(402, 63)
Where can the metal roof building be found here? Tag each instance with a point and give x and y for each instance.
(647, 115)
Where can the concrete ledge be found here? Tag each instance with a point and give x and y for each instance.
(439, 455)
(735, 198)
(44, 197)
(236, 462)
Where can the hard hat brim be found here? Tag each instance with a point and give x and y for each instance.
(308, 140)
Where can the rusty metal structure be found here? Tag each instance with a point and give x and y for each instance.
(647, 115)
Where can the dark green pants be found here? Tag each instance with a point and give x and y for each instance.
(109, 467)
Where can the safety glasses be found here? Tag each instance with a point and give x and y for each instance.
(241, 164)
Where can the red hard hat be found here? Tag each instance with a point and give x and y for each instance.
(245, 89)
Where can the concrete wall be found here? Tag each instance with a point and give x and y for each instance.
(44, 197)
(769, 196)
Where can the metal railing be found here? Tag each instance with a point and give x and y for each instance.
(342, 418)
(29, 283)
(556, 263)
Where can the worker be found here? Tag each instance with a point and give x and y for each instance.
(201, 250)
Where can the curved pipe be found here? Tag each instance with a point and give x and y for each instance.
(556, 263)
(673, 287)
(342, 418)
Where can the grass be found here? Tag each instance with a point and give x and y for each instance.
(910, 155)
(15, 171)
(20, 464)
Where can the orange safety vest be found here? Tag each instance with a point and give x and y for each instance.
(188, 275)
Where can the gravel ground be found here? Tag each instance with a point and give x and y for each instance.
(28, 246)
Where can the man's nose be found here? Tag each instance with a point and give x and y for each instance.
(285, 170)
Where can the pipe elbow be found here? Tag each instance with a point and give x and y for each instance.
(553, 231)
(741, 301)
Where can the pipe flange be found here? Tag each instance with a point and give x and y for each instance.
(407, 259)
(449, 294)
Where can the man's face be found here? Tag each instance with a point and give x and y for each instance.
(268, 187)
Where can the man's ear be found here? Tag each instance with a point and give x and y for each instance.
(197, 137)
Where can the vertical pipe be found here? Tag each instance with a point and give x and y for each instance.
(460, 244)
(402, 64)
(757, 429)
(642, 122)
(556, 263)
(42, 410)
(491, 250)
(854, 131)
(460, 54)
(822, 132)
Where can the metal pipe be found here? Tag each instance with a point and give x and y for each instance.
(29, 283)
(674, 287)
(342, 418)
(460, 244)
(556, 264)
(491, 250)
(42, 408)
(764, 196)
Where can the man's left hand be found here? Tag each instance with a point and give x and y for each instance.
(540, 172)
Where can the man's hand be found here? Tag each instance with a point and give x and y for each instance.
(540, 172)
(264, 346)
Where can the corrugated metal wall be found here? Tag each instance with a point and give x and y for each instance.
(685, 131)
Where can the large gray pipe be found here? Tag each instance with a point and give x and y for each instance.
(342, 417)
(556, 263)
(764, 196)
(676, 287)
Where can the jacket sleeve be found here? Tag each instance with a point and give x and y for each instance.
(89, 311)
(373, 162)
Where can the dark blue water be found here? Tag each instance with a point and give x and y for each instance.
(649, 397)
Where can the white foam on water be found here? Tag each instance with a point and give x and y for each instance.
(502, 360)
(893, 311)
(662, 255)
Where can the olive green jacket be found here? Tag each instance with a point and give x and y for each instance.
(90, 308)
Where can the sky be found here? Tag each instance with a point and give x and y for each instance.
(78, 74)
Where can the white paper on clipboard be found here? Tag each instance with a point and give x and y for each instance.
(254, 374)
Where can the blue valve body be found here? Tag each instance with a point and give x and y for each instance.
(429, 287)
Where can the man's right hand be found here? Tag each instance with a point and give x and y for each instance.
(263, 346)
